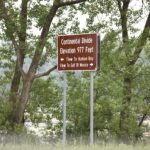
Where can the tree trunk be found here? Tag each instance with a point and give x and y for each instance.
(15, 84)
(125, 110)
(127, 77)
(22, 47)
(14, 87)
(127, 81)
(23, 100)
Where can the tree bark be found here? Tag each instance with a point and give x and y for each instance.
(22, 47)
(23, 100)
(127, 77)
(125, 109)
(15, 86)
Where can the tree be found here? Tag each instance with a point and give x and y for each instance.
(131, 60)
(128, 50)
(15, 25)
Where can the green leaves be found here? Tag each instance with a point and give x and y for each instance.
(39, 13)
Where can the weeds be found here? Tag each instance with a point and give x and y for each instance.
(75, 147)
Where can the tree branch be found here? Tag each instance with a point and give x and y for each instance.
(42, 40)
(142, 119)
(22, 33)
(23, 22)
(123, 13)
(119, 5)
(45, 73)
(10, 27)
(71, 2)
(45, 30)
(17, 49)
(141, 42)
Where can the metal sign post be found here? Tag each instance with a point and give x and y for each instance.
(64, 108)
(91, 107)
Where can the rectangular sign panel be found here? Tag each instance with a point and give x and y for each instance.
(77, 52)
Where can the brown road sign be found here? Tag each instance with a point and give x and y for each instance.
(78, 52)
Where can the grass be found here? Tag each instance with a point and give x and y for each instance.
(79, 147)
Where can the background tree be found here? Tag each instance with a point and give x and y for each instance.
(120, 19)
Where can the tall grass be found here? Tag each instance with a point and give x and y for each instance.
(77, 147)
(31, 142)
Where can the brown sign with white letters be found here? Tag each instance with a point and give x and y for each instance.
(78, 52)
